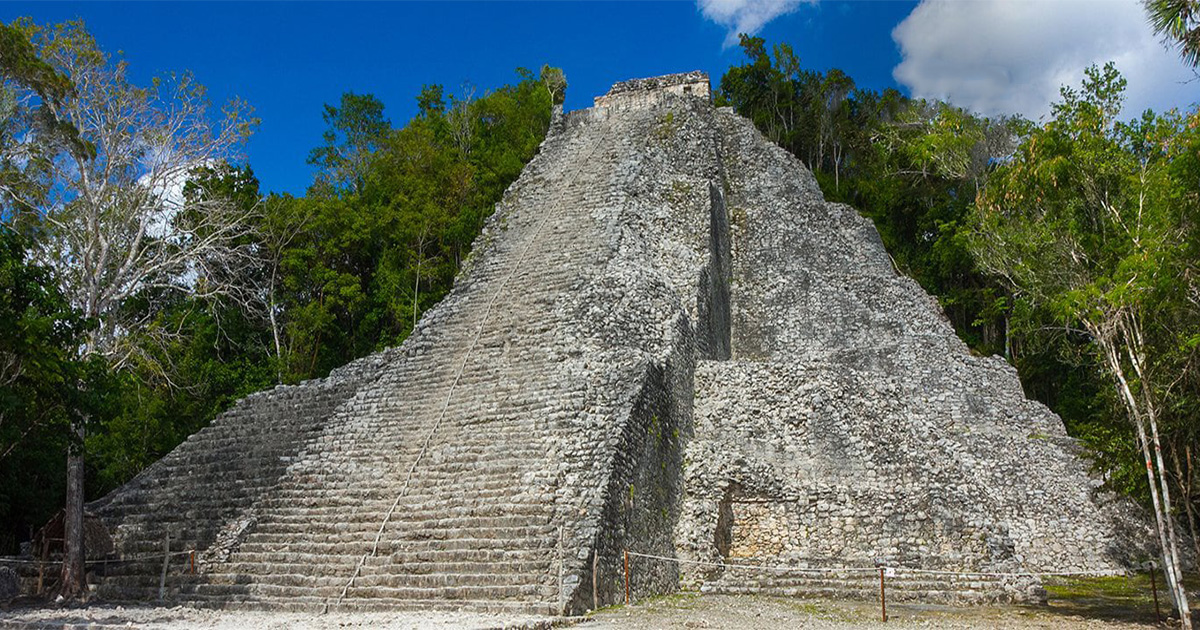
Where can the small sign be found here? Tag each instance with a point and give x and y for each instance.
(889, 572)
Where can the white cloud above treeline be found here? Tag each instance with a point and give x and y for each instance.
(745, 16)
(1012, 56)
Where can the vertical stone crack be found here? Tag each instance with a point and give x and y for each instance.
(713, 301)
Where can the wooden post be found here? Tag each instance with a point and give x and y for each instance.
(595, 580)
(1154, 590)
(162, 580)
(42, 565)
(882, 595)
(192, 558)
(562, 570)
(626, 576)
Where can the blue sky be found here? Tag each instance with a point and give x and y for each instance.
(287, 59)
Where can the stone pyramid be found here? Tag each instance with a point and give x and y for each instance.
(665, 341)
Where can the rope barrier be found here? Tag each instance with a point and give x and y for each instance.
(823, 570)
(454, 385)
(883, 570)
(728, 565)
(157, 556)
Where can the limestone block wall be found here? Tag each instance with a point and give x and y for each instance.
(644, 484)
(852, 426)
(641, 93)
(665, 212)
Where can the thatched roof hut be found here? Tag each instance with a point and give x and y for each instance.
(97, 543)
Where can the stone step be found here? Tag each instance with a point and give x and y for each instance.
(284, 586)
(313, 604)
(443, 578)
(356, 528)
(514, 564)
(320, 521)
(399, 522)
(300, 501)
(483, 548)
(864, 593)
(344, 567)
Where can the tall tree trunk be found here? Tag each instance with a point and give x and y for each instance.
(275, 329)
(837, 161)
(1186, 480)
(1135, 349)
(416, 291)
(1185, 613)
(1162, 512)
(1008, 349)
(73, 581)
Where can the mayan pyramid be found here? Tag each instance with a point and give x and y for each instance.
(666, 342)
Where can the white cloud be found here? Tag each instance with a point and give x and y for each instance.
(165, 177)
(745, 16)
(1012, 56)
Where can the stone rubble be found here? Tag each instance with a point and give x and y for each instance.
(9, 585)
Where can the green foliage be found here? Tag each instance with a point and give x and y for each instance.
(356, 129)
(555, 82)
(1178, 21)
(666, 128)
(38, 376)
(1093, 225)
(31, 94)
(347, 270)
(20, 63)
(218, 356)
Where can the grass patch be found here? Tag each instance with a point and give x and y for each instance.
(667, 125)
(738, 218)
(680, 600)
(1133, 589)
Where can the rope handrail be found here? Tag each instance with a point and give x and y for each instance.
(557, 204)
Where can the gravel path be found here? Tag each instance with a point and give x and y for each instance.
(181, 618)
(758, 613)
(677, 612)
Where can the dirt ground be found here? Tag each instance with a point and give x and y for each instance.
(759, 613)
(676, 612)
(182, 618)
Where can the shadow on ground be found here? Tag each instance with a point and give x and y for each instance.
(750, 612)
(1130, 598)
